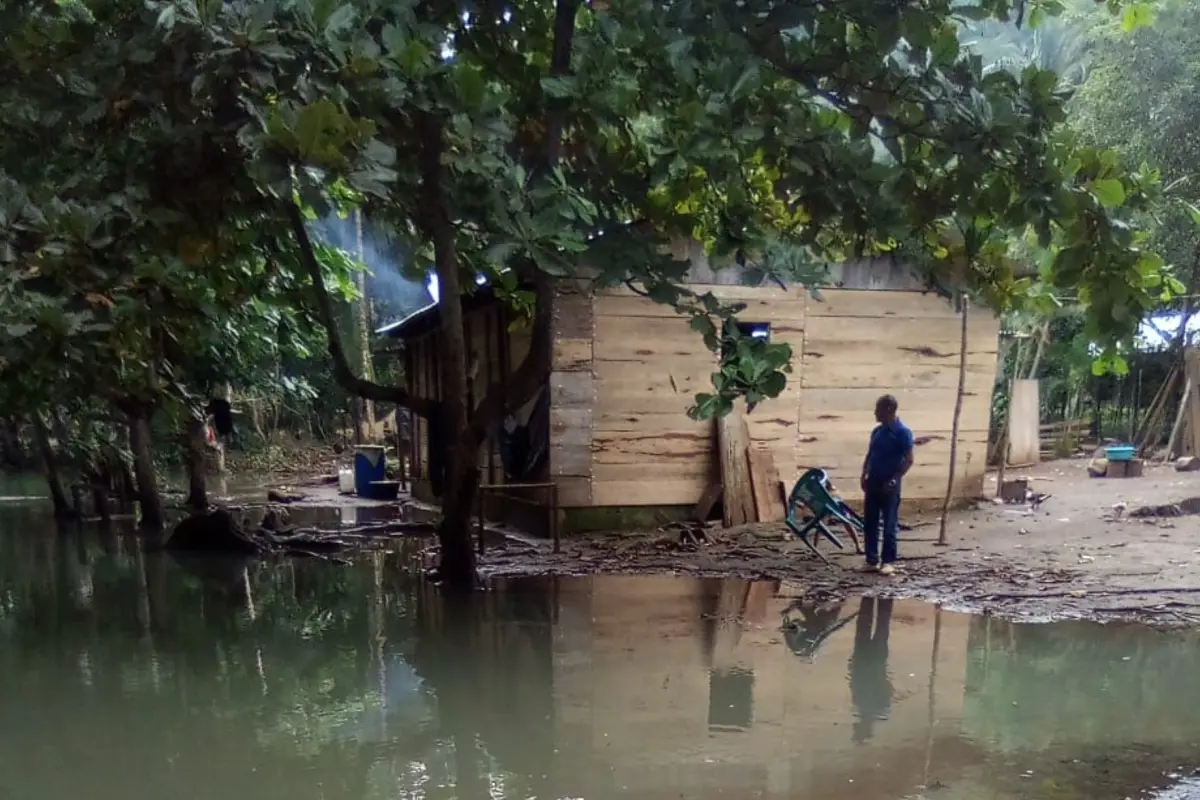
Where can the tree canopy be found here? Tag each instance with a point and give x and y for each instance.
(163, 163)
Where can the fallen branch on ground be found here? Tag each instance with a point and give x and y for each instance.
(1081, 593)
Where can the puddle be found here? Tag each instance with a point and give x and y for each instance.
(128, 675)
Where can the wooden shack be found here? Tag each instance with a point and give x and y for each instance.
(622, 451)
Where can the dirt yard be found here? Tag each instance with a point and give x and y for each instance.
(1074, 555)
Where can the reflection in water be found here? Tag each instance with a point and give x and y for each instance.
(870, 686)
(816, 622)
(130, 675)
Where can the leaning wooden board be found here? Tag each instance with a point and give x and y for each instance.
(764, 479)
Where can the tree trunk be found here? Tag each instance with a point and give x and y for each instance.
(363, 319)
(58, 495)
(457, 565)
(958, 404)
(356, 418)
(12, 451)
(194, 447)
(153, 515)
(1042, 333)
(124, 485)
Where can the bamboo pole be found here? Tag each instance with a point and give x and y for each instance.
(1002, 445)
(1183, 404)
(1158, 409)
(958, 404)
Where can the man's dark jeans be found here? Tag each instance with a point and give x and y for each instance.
(881, 507)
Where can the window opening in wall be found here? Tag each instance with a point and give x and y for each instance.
(753, 330)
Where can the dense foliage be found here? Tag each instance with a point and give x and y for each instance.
(164, 164)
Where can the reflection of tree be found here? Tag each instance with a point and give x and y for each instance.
(870, 685)
(489, 660)
(246, 679)
(1116, 685)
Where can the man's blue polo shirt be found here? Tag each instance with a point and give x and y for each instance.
(885, 455)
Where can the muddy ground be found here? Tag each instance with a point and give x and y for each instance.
(1074, 556)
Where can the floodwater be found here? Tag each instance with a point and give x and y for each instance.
(129, 675)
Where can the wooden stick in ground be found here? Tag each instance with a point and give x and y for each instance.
(1157, 410)
(958, 404)
(1183, 404)
(1002, 444)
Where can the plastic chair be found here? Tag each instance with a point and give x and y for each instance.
(812, 492)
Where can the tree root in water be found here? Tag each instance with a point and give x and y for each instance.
(219, 532)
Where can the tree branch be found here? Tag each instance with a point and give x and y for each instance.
(515, 390)
(506, 395)
(341, 366)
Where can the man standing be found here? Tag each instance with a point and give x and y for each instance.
(889, 456)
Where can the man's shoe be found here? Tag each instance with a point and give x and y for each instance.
(869, 567)
(887, 569)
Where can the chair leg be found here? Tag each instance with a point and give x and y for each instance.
(802, 535)
(830, 535)
(852, 531)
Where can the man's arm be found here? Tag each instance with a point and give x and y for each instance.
(862, 478)
(907, 463)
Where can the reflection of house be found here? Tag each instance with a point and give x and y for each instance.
(662, 692)
(615, 435)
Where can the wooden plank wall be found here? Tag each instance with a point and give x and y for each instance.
(495, 351)
(648, 366)
(860, 344)
(572, 395)
(645, 365)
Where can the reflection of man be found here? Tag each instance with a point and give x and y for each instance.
(870, 686)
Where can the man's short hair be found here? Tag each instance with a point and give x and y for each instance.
(887, 402)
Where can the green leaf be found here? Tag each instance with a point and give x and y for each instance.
(559, 87)
(945, 48)
(773, 384)
(1192, 211)
(1109, 191)
(1137, 15)
(19, 330)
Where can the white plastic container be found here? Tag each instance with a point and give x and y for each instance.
(345, 480)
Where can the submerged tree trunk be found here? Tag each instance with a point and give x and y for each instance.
(457, 565)
(153, 515)
(958, 404)
(58, 494)
(194, 447)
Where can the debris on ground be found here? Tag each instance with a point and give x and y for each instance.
(1187, 464)
(285, 495)
(1183, 508)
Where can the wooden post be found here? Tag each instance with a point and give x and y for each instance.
(958, 404)
(733, 439)
(1191, 363)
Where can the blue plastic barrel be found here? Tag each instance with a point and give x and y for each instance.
(369, 467)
